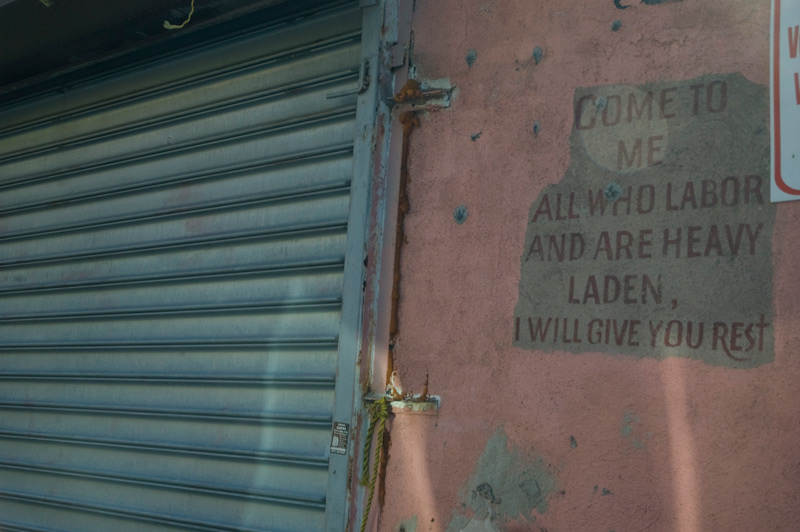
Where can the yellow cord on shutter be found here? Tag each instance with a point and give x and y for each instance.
(379, 411)
(185, 22)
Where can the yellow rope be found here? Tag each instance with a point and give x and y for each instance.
(379, 411)
(185, 22)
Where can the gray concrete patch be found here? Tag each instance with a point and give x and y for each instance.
(507, 484)
(657, 242)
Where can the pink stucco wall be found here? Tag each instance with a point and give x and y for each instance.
(621, 443)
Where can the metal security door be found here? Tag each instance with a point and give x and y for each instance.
(172, 257)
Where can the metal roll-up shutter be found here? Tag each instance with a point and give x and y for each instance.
(172, 255)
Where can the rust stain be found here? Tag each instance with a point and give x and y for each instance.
(424, 395)
(410, 91)
(409, 121)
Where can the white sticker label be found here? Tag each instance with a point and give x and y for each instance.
(339, 438)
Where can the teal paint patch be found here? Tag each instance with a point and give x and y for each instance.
(409, 525)
(480, 525)
(628, 419)
(507, 484)
(627, 428)
(471, 57)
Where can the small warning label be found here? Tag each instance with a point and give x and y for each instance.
(339, 438)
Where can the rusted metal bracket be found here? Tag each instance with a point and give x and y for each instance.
(413, 96)
(411, 405)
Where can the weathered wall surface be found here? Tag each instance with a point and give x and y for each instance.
(618, 417)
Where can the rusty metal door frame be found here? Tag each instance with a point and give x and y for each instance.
(386, 38)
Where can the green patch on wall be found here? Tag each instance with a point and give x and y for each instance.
(408, 525)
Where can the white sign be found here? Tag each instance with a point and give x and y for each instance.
(785, 100)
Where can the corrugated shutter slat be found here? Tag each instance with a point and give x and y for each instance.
(172, 253)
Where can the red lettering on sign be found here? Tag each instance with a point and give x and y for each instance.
(794, 41)
(645, 243)
(646, 102)
(677, 327)
(597, 203)
(708, 197)
(651, 190)
(797, 88)
(713, 242)
(652, 149)
(565, 336)
(595, 332)
(538, 331)
(689, 327)
(696, 105)
(603, 244)
(633, 333)
(543, 209)
(752, 185)
(635, 156)
(723, 97)
(691, 240)
(720, 333)
(624, 243)
(579, 113)
(626, 199)
(664, 100)
(670, 206)
(619, 333)
(617, 108)
(654, 332)
(672, 242)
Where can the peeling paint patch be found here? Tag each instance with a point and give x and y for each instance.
(627, 429)
(507, 483)
(628, 419)
(482, 525)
